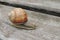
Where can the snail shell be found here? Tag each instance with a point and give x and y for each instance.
(18, 16)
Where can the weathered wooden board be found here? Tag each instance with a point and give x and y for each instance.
(48, 26)
(52, 5)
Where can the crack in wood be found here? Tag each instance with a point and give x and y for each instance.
(32, 8)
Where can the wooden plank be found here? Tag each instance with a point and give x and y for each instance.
(52, 5)
(48, 26)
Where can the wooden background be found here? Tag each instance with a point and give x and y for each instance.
(48, 26)
(52, 5)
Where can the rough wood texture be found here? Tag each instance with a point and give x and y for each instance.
(48, 26)
(52, 5)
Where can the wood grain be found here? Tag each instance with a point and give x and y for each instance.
(48, 26)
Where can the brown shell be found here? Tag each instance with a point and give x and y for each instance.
(18, 15)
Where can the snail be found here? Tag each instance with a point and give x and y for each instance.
(19, 17)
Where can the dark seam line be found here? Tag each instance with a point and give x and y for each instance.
(32, 9)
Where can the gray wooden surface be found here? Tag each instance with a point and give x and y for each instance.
(52, 5)
(48, 26)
